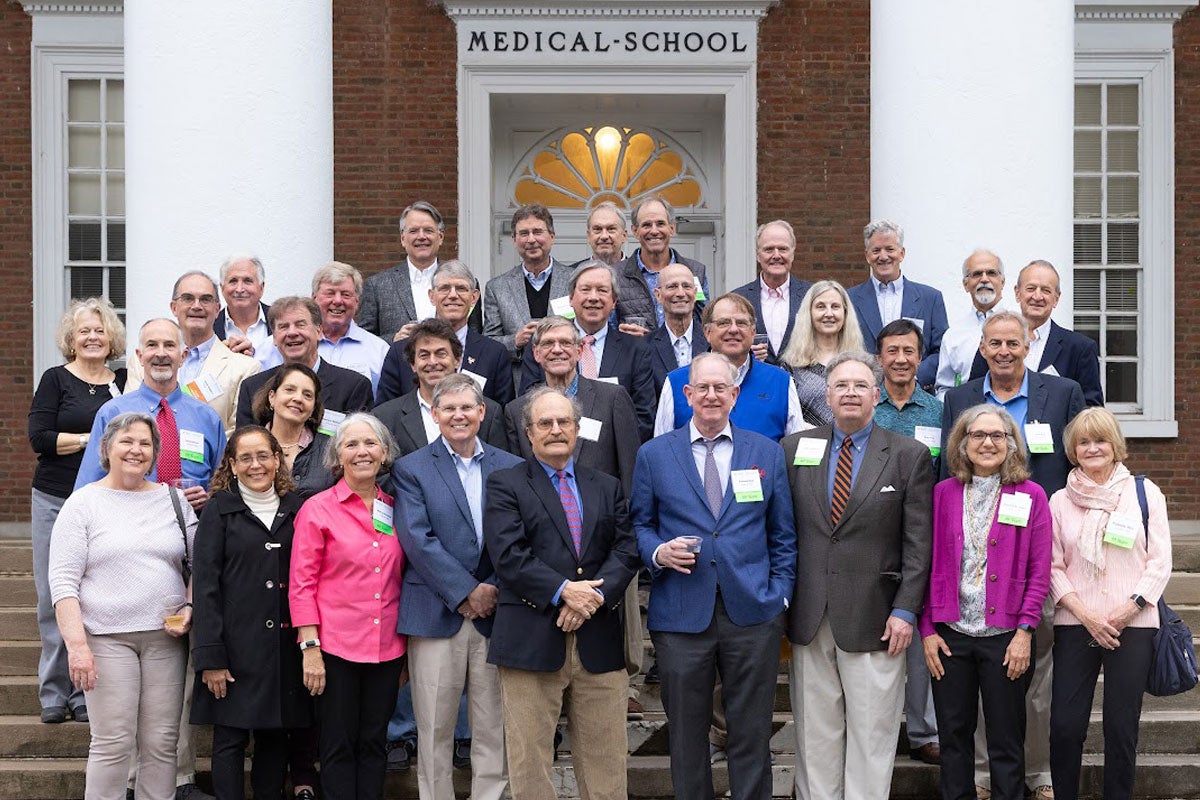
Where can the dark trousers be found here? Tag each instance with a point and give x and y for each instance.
(353, 713)
(747, 659)
(302, 755)
(1076, 667)
(976, 669)
(229, 759)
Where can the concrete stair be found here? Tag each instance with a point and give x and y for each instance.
(46, 762)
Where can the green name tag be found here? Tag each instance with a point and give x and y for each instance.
(809, 452)
(747, 485)
(1122, 531)
(700, 296)
(382, 516)
(191, 446)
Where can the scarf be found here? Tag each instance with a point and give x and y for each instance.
(1098, 503)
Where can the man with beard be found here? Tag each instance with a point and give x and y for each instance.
(983, 281)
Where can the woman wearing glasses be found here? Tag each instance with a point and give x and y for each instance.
(825, 326)
(991, 573)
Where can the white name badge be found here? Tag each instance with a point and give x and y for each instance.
(1050, 370)
(747, 485)
(330, 421)
(475, 376)
(700, 296)
(191, 445)
(1122, 531)
(609, 379)
(1015, 508)
(809, 452)
(205, 388)
(561, 306)
(590, 428)
(113, 390)
(920, 323)
(930, 437)
(1038, 437)
(381, 517)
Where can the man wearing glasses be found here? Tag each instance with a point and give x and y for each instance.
(766, 402)
(211, 372)
(983, 281)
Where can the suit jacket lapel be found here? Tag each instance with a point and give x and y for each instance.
(1054, 343)
(410, 418)
(663, 351)
(545, 491)
(586, 396)
(868, 309)
(469, 354)
(217, 361)
(614, 353)
(873, 462)
(404, 284)
(910, 300)
(1036, 409)
(589, 496)
(682, 448)
(795, 298)
(444, 464)
(816, 482)
(737, 462)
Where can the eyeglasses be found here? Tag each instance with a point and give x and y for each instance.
(845, 387)
(703, 389)
(530, 233)
(725, 323)
(451, 288)
(983, 273)
(188, 299)
(545, 425)
(247, 459)
(996, 436)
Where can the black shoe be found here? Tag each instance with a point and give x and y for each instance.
(652, 674)
(190, 791)
(305, 794)
(52, 715)
(129, 794)
(462, 754)
(80, 713)
(557, 742)
(400, 755)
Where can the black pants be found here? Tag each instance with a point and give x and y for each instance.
(353, 714)
(747, 659)
(229, 760)
(976, 668)
(1076, 667)
(302, 755)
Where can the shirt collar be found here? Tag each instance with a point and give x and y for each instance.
(638, 255)
(476, 456)
(599, 335)
(573, 388)
(343, 492)
(695, 435)
(354, 333)
(858, 440)
(569, 469)
(783, 289)
(744, 369)
(153, 397)
(203, 349)
(1041, 332)
(920, 397)
(687, 336)
(897, 284)
(461, 333)
(416, 275)
(541, 277)
(1022, 392)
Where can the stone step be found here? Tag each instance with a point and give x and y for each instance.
(16, 558)
(19, 658)
(1183, 589)
(19, 624)
(17, 591)
(26, 736)
(19, 695)
(1185, 553)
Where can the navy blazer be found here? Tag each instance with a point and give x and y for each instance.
(662, 354)
(752, 291)
(1072, 355)
(525, 530)
(222, 317)
(342, 390)
(1052, 400)
(626, 358)
(920, 302)
(443, 561)
(486, 358)
(749, 548)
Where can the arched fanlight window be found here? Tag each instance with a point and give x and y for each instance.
(580, 168)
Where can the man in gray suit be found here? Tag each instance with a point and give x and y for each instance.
(450, 592)
(514, 301)
(863, 499)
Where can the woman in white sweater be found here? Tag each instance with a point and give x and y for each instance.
(1106, 577)
(117, 559)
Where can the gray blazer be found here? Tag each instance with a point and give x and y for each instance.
(387, 303)
(506, 308)
(878, 556)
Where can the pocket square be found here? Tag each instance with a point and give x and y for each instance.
(888, 488)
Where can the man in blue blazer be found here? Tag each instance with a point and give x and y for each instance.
(450, 591)
(713, 517)
(888, 296)
(774, 290)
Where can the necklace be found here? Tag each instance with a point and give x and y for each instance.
(285, 447)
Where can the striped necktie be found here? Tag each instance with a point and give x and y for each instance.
(841, 481)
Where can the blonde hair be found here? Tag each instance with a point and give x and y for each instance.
(108, 319)
(801, 350)
(1095, 423)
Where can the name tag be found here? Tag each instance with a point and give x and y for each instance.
(330, 421)
(920, 323)
(113, 390)
(561, 306)
(1038, 437)
(1015, 508)
(1122, 531)
(475, 376)
(609, 379)
(809, 452)
(381, 517)
(930, 437)
(700, 296)
(205, 388)
(1050, 370)
(747, 485)
(191, 445)
(590, 428)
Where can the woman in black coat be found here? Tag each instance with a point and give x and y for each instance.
(249, 675)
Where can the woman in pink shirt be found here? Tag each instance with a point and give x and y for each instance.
(345, 600)
(1107, 575)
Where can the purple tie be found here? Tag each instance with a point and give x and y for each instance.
(712, 479)
(571, 509)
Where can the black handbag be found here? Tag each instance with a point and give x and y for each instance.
(1173, 663)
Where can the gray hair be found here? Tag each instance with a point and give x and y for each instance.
(390, 449)
(776, 223)
(982, 251)
(123, 422)
(195, 273)
(426, 207)
(588, 266)
(238, 258)
(654, 198)
(608, 205)
(1015, 467)
(1006, 316)
(336, 272)
(882, 226)
(547, 324)
(453, 269)
(453, 384)
(706, 357)
(536, 394)
(1041, 262)
(173, 323)
(858, 356)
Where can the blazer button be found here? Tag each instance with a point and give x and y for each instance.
(270, 623)
(992, 610)
(716, 534)
(376, 622)
(579, 570)
(270, 584)
(993, 542)
(992, 578)
(713, 562)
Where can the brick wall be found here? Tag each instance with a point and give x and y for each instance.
(16, 254)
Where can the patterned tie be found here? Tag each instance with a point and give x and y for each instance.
(571, 509)
(169, 466)
(841, 480)
(587, 359)
(774, 293)
(712, 479)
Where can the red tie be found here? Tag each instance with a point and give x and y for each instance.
(587, 359)
(571, 509)
(169, 467)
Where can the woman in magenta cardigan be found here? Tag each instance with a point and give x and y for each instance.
(991, 573)
(1107, 575)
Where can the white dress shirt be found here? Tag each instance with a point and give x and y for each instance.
(775, 307)
(422, 282)
(682, 345)
(432, 431)
(890, 297)
(1037, 346)
(960, 344)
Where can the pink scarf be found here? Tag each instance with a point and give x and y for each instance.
(1099, 502)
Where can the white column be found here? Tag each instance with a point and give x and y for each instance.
(971, 135)
(229, 108)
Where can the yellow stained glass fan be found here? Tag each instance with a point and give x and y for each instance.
(621, 165)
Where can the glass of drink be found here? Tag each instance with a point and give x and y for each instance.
(172, 606)
(692, 543)
(183, 484)
(639, 321)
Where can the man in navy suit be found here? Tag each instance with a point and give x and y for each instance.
(450, 592)
(1053, 350)
(887, 296)
(455, 292)
(681, 338)
(608, 354)
(714, 522)
(563, 549)
(775, 294)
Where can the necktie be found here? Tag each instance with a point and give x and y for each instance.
(712, 479)
(841, 480)
(571, 509)
(169, 466)
(775, 294)
(682, 352)
(587, 359)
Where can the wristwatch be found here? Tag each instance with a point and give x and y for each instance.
(310, 643)
(1137, 598)
(1025, 626)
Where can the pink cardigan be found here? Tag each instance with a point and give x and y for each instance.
(1138, 570)
(1018, 561)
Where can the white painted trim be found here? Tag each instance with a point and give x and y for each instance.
(657, 9)
(35, 7)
